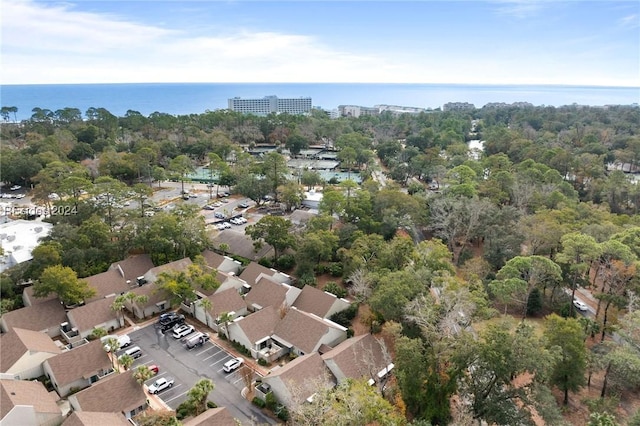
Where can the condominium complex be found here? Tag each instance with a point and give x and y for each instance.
(271, 104)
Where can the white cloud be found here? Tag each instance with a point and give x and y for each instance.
(57, 44)
(630, 21)
(520, 9)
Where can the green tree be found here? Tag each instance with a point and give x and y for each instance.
(198, 395)
(275, 231)
(206, 306)
(520, 275)
(566, 336)
(317, 246)
(578, 252)
(64, 282)
(274, 169)
(142, 374)
(181, 166)
(126, 361)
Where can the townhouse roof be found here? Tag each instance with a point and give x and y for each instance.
(92, 314)
(17, 342)
(253, 270)
(175, 266)
(26, 392)
(32, 300)
(117, 394)
(357, 357)
(315, 301)
(260, 324)
(266, 293)
(303, 376)
(154, 293)
(110, 282)
(93, 418)
(221, 263)
(212, 417)
(212, 259)
(226, 301)
(39, 317)
(241, 244)
(133, 267)
(302, 330)
(81, 362)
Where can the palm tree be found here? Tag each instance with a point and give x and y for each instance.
(97, 333)
(112, 344)
(118, 307)
(198, 395)
(224, 319)
(206, 305)
(142, 374)
(224, 248)
(133, 298)
(126, 361)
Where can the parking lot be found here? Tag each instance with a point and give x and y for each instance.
(186, 367)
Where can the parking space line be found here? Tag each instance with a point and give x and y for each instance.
(211, 356)
(217, 362)
(206, 350)
(175, 397)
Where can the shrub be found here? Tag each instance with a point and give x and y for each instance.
(263, 362)
(333, 288)
(282, 413)
(350, 332)
(307, 279)
(257, 401)
(336, 269)
(345, 317)
(211, 404)
(286, 261)
(267, 262)
(321, 269)
(271, 401)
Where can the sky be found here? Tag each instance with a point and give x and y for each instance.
(441, 42)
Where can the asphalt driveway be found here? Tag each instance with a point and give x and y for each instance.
(186, 367)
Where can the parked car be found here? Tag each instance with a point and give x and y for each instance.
(209, 207)
(182, 331)
(233, 364)
(217, 204)
(15, 187)
(154, 368)
(197, 339)
(226, 225)
(219, 215)
(123, 341)
(243, 205)
(580, 305)
(160, 385)
(169, 320)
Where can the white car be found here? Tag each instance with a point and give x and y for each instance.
(182, 331)
(580, 305)
(226, 225)
(160, 385)
(15, 187)
(123, 341)
(233, 364)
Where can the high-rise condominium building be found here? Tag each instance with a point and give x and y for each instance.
(271, 104)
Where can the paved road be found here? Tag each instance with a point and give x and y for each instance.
(186, 367)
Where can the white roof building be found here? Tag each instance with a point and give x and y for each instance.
(19, 238)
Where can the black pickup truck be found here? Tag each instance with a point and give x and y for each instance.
(169, 320)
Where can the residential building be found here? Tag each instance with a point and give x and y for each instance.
(23, 353)
(458, 106)
(27, 403)
(46, 317)
(106, 284)
(397, 109)
(356, 111)
(266, 292)
(318, 302)
(157, 301)
(133, 267)
(78, 368)
(227, 301)
(89, 418)
(270, 104)
(212, 417)
(253, 271)
(358, 357)
(18, 238)
(298, 380)
(118, 394)
(180, 265)
(254, 333)
(28, 299)
(303, 333)
(221, 263)
(84, 319)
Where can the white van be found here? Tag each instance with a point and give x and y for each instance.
(196, 339)
(134, 352)
(123, 341)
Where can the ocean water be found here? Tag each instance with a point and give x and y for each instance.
(197, 98)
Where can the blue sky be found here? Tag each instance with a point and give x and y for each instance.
(472, 42)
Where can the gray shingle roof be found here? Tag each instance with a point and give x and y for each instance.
(107, 283)
(78, 363)
(266, 293)
(117, 394)
(315, 301)
(357, 357)
(301, 329)
(90, 418)
(39, 317)
(92, 314)
(134, 266)
(259, 324)
(17, 342)
(226, 301)
(26, 392)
